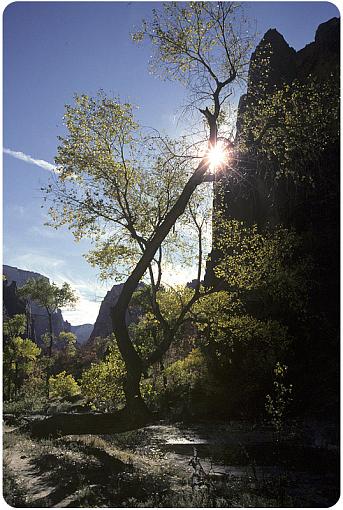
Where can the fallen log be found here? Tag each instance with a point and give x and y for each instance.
(62, 424)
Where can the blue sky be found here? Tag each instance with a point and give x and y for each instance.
(51, 51)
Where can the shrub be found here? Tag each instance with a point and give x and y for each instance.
(103, 382)
(189, 384)
(63, 385)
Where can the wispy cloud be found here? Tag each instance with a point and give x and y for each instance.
(37, 262)
(18, 210)
(46, 232)
(28, 159)
(86, 312)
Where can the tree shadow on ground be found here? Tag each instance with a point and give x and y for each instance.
(84, 475)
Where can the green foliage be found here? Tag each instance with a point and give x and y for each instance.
(188, 386)
(150, 394)
(47, 294)
(129, 192)
(102, 383)
(244, 330)
(14, 326)
(19, 355)
(198, 40)
(24, 349)
(271, 262)
(184, 375)
(69, 340)
(63, 385)
(148, 332)
(246, 333)
(115, 183)
(33, 388)
(277, 404)
(239, 348)
(51, 297)
(298, 122)
(213, 310)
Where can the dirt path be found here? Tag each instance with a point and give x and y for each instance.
(21, 463)
(34, 467)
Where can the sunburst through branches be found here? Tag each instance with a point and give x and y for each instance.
(218, 156)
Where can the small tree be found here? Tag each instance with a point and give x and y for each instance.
(64, 356)
(277, 404)
(51, 297)
(19, 353)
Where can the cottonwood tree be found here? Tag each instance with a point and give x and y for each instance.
(129, 191)
(51, 297)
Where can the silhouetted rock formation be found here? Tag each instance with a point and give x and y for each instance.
(38, 316)
(252, 201)
(103, 324)
(12, 305)
(262, 200)
(320, 57)
(281, 66)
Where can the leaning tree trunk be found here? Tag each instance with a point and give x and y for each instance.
(133, 362)
(62, 424)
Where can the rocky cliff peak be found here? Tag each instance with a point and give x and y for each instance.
(272, 63)
(321, 57)
(103, 324)
(328, 35)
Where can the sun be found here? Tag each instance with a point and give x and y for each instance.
(217, 156)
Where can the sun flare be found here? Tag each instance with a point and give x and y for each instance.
(217, 156)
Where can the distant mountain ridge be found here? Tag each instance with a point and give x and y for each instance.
(82, 332)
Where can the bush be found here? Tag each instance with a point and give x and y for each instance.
(189, 386)
(63, 385)
(103, 382)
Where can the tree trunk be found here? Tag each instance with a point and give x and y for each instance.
(134, 369)
(132, 360)
(134, 401)
(47, 384)
(16, 379)
(9, 381)
(85, 423)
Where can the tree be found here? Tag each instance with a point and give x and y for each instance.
(289, 141)
(19, 353)
(51, 297)
(64, 355)
(252, 323)
(127, 191)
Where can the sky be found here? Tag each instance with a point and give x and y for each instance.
(53, 50)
